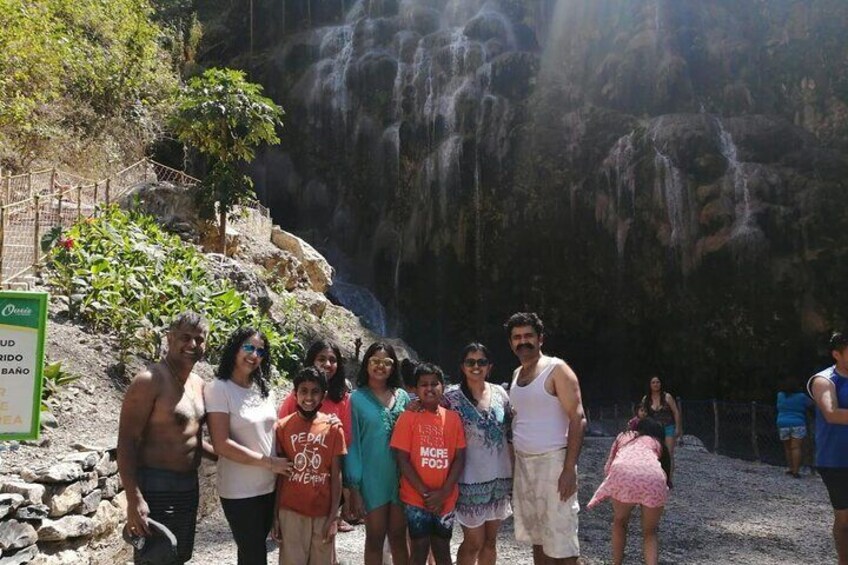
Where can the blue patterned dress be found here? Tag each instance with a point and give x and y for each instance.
(485, 486)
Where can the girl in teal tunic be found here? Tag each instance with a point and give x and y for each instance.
(370, 468)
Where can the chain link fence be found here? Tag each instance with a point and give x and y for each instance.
(35, 203)
(743, 430)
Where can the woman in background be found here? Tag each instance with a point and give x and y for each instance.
(661, 406)
(792, 406)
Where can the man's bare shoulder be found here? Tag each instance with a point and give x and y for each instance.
(561, 369)
(146, 381)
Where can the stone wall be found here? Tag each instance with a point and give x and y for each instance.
(69, 512)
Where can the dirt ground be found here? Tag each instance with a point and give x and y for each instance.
(721, 510)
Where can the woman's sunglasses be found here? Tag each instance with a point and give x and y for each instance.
(470, 363)
(250, 348)
(377, 362)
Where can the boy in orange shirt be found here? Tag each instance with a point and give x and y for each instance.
(307, 510)
(430, 448)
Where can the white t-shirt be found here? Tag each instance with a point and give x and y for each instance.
(252, 421)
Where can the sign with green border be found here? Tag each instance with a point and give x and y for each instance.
(23, 320)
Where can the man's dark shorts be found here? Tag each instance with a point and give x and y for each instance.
(836, 481)
(172, 498)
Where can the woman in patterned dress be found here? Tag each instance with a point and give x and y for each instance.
(636, 474)
(370, 466)
(485, 485)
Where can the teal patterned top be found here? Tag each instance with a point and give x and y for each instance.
(370, 465)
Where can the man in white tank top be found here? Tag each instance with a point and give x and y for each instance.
(547, 428)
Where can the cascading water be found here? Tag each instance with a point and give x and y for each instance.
(744, 224)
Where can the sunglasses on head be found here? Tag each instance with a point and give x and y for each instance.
(377, 362)
(478, 362)
(250, 348)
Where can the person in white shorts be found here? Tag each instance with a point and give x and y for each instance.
(548, 427)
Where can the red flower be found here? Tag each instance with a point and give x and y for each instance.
(67, 243)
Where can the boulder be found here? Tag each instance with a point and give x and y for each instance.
(106, 518)
(221, 267)
(315, 302)
(9, 502)
(16, 535)
(68, 527)
(66, 472)
(107, 466)
(86, 459)
(90, 502)
(318, 270)
(110, 486)
(33, 493)
(32, 512)
(20, 557)
(63, 500)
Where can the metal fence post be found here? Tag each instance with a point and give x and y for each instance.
(715, 425)
(754, 442)
(79, 202)
(36, 237)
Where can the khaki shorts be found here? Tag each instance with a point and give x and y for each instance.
(541, 518)
(303, 540)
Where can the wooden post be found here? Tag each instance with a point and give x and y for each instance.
(96, 188)
(61, 219)
(36, 237)
(29, 183)
(715, 426)
(108, 191)
(7, 188)
(754, 443)
(79, 202)
(52, 180)
(2, 236)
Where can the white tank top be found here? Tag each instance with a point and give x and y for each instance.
(540, 423)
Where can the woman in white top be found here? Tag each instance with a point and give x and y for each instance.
(241, 418)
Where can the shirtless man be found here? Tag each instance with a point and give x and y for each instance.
(548, 427)
(159, 437)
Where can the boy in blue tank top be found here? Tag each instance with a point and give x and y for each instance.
(829, 389)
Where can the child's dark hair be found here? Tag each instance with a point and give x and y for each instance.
(311, 375)
(636, 407)
(407, 372)
(428, 369)
(651, 428)
(337, 387)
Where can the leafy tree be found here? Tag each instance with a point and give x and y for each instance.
(225, 118)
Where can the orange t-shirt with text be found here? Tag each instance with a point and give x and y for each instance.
(311, 447)
(431, 439)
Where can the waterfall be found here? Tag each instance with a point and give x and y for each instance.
(738, 179)
(619, 168)
(361, 302)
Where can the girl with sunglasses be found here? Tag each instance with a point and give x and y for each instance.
(485, 485)
(241, 419)
(370, 469)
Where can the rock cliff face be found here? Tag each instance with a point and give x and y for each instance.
(661, 179)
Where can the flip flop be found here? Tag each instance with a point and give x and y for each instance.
(344, 527)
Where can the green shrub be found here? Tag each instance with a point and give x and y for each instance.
(54, 379)
(121, 273)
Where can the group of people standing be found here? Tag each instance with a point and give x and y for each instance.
(409, 465)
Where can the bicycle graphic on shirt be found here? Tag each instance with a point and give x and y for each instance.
(310, 457)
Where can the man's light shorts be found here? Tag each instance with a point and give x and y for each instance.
(541, 518)
(794, 432)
